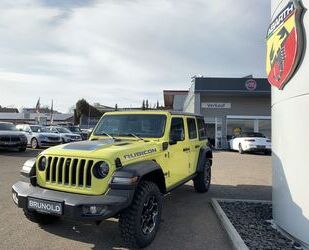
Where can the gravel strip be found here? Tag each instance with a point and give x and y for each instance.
(253, 223)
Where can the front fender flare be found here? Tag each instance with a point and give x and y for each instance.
(138, 169)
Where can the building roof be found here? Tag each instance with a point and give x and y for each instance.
(248, 86)
(169, 96)
(32, 116)
(43, 110)
(8, 110)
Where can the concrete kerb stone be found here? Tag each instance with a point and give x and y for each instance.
(234, 236)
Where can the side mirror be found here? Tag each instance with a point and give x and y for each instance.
(175, 136)
(20, 129)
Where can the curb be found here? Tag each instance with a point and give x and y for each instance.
(234, 236)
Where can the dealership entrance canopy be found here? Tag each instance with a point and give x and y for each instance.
(229, 106)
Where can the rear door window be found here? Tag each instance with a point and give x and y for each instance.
(177, 126)
(201, 129)
(192, 128)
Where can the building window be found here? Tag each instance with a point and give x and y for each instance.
(265, 127)
(237, 126)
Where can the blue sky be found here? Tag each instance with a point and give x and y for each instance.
(123, 51)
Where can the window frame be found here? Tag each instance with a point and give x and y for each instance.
(188, 128)
(184, 127)
(200, 119)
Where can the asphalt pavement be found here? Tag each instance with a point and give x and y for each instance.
(188, 220)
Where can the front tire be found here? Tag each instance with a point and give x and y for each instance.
(34, 143)
(42, 219)
(140, 222)
(240, 150)
(203, 179)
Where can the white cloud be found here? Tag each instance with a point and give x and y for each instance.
(124, 51)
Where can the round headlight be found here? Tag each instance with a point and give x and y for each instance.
(100, 170)
(42, 163)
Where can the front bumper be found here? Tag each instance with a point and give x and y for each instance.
(72, 204)
(258, 148)
(14, 145)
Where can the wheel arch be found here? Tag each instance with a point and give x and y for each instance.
(204, 154)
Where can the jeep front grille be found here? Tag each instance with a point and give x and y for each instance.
(72, 172)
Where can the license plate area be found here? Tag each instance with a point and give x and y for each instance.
(45, 206)
(261, 147)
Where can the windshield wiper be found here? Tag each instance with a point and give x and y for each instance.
(103, 133)
(133, 135)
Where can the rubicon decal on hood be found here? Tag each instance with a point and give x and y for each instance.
(140, 153)
(284, 44)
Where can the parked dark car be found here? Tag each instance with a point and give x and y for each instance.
(11, 138)
(77, 130)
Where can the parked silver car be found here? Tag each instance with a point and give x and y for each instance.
(38, 136)
(65, 134)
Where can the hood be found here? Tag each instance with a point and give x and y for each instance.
(69, 134)
(126, 150)
(7, 132)
(48, 134)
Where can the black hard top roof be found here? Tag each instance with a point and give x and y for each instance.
(172, 112)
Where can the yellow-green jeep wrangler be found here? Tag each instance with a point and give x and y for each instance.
(130, 161)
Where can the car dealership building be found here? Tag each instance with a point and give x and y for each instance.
(229, 106)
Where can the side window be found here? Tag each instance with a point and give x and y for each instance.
(177, 130)
(201, 129)
(192, 128)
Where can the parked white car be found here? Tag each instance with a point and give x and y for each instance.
(251, 142)
(38, 136)
(65, 134)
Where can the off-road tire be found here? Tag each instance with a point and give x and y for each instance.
(203, 179)
(42, 219)
(130, 220)
(22, 149)
(240, 150)
(34, 143)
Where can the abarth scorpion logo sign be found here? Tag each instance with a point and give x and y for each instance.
(284, 44)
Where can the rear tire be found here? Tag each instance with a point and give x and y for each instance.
(240, 150)
(42, 219)
(140, 222)
(203, 179)
(34, 143)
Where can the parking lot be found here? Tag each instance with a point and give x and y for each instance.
(189, 221)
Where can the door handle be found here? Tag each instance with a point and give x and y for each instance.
(197, 146)
(186, 149)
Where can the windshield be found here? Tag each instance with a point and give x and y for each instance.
(252, 134)
(74, 129)
(151, 126)
(63, 130)
(7, 127)
(38, 129)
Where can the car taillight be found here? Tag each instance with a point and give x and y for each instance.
(250, 140)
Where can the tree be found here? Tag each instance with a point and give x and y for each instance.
(147, 104)
(83, 108)
(116, 107)
(143, 105)
(158, 106)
